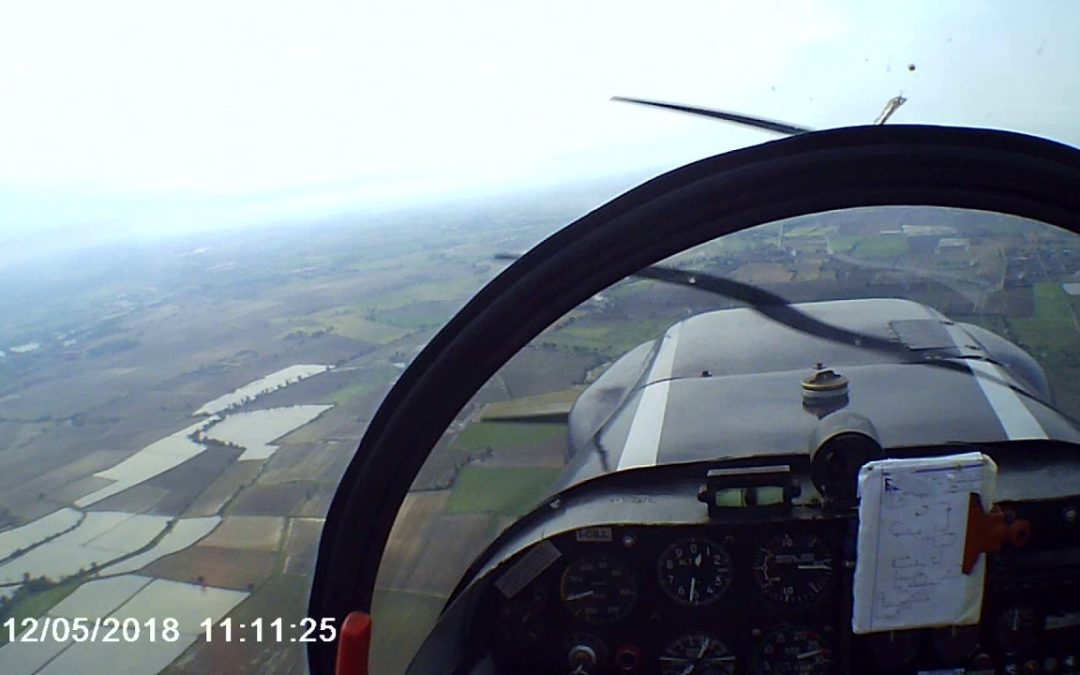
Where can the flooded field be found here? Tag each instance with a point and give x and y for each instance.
(189, 603)
(86, 658)
(29, 657)
(102, 463)
(99, 598)
(129, 596)
(152, 460)
(264, 385)
(39, 530)
(100, 538)
(254, 430)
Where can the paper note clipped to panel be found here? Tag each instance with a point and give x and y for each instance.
(912, 529)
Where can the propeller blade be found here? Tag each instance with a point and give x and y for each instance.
(772, 306)
(780, 310)
(764, 302)
(746, 120)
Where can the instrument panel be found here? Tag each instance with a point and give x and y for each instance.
(678, 600)
(767, 598)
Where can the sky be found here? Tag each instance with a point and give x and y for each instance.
(141, 117)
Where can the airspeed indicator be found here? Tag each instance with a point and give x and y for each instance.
(598, 589)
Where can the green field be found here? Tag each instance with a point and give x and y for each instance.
(1052, 325)
(453, 288)
(384, 318)
(885, 246)
(366, 382)
(34, 605)
(843, 243)
(351, 323)
(400, 622)
(610, 338)
(1051, 336)
(507, 491)
(506, 435)
(995, 323)
(417, 316)
(809, 231)
(547, 403)
(350, 392)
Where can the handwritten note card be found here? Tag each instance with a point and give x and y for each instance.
(912, 524)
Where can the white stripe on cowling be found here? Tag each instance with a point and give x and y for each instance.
(1015, 417)
(643, 440)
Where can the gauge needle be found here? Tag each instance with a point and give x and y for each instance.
(579, 596)
(814, 567)
(704, 648)
(810, 654)
(693, 583)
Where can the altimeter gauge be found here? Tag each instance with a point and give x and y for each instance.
(694, 572)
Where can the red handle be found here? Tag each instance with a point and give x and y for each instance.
(354, 643)
(989, 531)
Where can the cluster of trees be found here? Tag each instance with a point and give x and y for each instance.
(580, 350)
(33, 585)
(201, 580)
(199, 437)
(301, 334)
(30, 586)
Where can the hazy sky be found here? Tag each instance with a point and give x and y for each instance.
(118, 114)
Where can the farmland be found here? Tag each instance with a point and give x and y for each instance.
(191, 419)
(506, 491)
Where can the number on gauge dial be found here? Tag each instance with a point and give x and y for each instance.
(694, 572)
(793, 569)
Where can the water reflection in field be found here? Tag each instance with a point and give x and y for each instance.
(254, 430)
(264, 385)
(135, 598)
(37, 531)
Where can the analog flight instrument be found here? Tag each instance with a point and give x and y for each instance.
(694, 572)
(697, 655)
(793, 650)
(793, 569)
(598, 589)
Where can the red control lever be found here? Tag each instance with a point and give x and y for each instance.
(354, 643)
(989, 531)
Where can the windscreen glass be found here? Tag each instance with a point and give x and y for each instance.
(949, 324)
